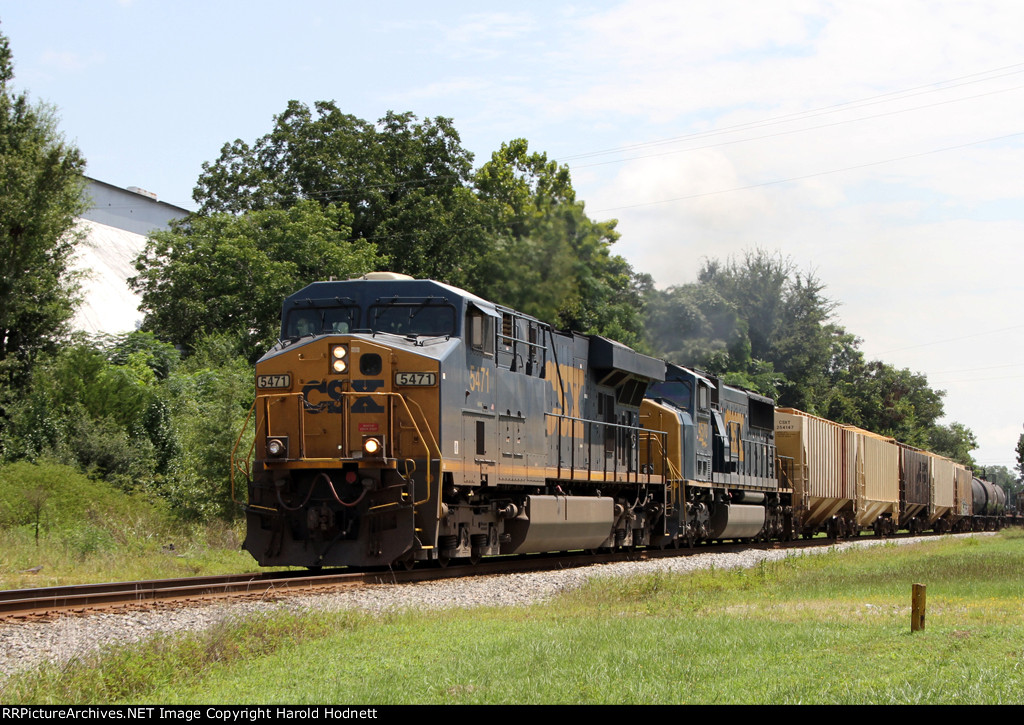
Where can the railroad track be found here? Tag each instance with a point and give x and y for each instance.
(47, 602)
(84, 598)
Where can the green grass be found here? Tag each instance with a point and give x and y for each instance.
(88, 553)
(80, 530)
(829, 628)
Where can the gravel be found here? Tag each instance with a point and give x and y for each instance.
(24, 645)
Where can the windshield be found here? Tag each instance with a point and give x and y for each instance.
(677, 392)
(317, 320)
(431, 319)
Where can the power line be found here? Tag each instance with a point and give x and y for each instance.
(952, 339)
(796, 131)
(974, 380)
(824, 110)
(971, 370)
(810, 176)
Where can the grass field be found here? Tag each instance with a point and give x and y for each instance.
(832, 628)
(58, 526)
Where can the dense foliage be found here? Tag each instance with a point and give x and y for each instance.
(511, 231)
(40, 196)
(544, 256)
(226, 273)
(128, 410)
(761, 323)
(404, 181)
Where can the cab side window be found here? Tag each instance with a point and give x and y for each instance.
(481, 331)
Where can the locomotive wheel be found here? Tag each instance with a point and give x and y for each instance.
(475, 556)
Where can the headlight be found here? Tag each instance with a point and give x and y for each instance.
(373, 447)
(339, 353)
(277, 447)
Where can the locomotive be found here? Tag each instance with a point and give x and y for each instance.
(400, 420)
(719, 458)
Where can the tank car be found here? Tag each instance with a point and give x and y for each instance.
(720, 458)
(400, 420)
(989, 505)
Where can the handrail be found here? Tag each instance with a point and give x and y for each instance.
(586, 422)
(419, 423)
(247, 470)
(674, 473)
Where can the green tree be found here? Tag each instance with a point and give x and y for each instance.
(512, 231)
(896, 403)
(98, 405)
(545, 256)
(1020, 458)
(40, 196)
(954, 441)
(229, 274)
(785, 319)
(405, 182)
(760, 323)
(694, 325)
(210, 395)
(756, 321)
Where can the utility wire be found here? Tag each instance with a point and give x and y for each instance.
(846, 105)
(796, 131)
(952, 339)
(810, 176)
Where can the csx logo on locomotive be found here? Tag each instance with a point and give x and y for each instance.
(315, 391)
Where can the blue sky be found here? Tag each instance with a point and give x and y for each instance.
(878, 144)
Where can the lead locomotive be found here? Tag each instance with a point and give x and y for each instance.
(400, 420)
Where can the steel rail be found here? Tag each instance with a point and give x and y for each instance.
(78, 599)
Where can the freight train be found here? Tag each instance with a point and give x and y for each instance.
(400, 420)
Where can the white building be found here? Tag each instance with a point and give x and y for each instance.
(116, 226)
